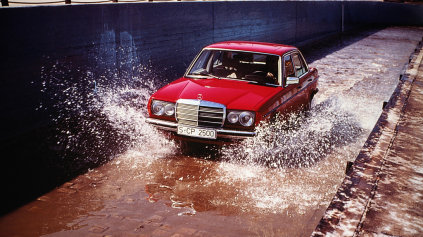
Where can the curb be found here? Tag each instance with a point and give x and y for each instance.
(348, 208)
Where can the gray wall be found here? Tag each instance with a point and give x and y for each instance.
(162, 36)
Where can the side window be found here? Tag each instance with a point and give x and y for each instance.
(299, 65)
(289, 67)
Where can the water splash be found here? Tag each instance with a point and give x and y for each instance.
(126, 111)
(98, 113)
(301, 140)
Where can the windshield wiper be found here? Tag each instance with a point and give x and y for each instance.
(205, 74)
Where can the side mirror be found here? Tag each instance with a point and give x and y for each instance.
(292, 80)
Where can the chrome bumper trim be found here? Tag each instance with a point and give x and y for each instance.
(162, 122)
(221, 133)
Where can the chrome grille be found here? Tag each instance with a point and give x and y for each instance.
(200, 113)
(187, 114)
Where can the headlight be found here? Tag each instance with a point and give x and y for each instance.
(245, 118)
(233, 117)
(162, 108)
(169, 109)
(157, 107)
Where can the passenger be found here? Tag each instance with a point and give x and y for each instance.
(231, 64)
(289, 68)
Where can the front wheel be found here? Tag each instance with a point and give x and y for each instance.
(308, 106)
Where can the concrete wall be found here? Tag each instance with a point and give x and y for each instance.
(162, 36)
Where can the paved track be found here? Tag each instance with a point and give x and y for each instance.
(383, 193)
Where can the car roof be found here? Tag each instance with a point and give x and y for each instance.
(259, 47)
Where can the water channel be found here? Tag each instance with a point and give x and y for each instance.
(261, 187)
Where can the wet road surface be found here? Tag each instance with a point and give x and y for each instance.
(257, 188)
(382, 192)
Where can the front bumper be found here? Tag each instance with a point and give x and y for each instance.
(221, 132)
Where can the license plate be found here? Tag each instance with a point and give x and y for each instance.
(197, 132)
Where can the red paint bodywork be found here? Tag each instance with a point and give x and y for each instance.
(264, 100)
(270, 48)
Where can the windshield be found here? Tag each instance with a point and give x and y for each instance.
(260, 68)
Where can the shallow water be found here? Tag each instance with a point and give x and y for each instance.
(276, 184)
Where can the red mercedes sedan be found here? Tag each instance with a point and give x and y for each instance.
(230, 88)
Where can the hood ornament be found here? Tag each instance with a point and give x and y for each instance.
(199, 97)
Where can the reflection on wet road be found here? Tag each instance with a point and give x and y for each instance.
(261, 187)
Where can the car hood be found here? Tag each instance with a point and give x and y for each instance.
(233, 94)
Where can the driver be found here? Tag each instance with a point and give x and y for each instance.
(272, 69)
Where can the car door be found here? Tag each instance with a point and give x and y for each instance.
(296, 94)
(302, 72)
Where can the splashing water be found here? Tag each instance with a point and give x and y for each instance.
(126, 110)
(299, 141)
(97, 115)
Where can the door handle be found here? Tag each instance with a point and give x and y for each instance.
(299, 87)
